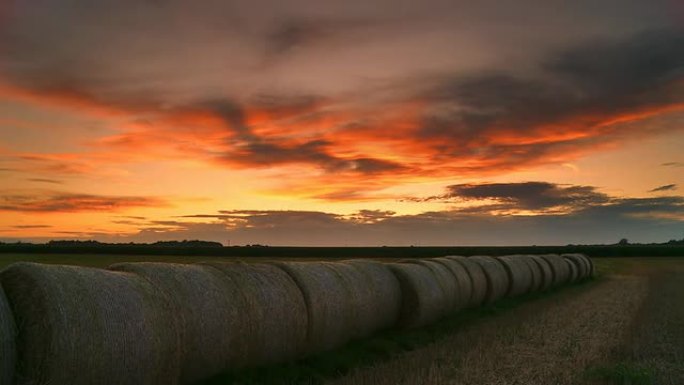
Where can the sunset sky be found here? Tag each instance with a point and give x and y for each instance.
(360, 122)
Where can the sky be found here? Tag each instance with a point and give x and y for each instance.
(342, 123)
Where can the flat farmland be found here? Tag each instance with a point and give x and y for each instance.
(626, 326)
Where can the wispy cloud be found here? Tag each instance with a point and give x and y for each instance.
(62, 202)
(667, 187)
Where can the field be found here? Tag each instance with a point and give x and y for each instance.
(624, 327)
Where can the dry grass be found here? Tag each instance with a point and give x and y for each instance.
(549, 341)
(653, 353)
(8, 348)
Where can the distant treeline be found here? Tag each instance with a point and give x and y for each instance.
(203, 248)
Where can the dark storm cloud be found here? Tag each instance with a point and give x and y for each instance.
(530, 195)
(667, 187)
(522, 196)
(673, 164)
(585, 82)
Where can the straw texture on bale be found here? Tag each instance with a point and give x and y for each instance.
(535, 270)
(444, 278)
(364, 301)
(273, 316)
(560, 269)
(84, 326)
(546, 272)
(230, 315)
(8, 348)
(423, 300)
(574, 271)
(383, 297)
(464, 285)
(333, 295)
(581, 262)
(497, 278)
(477, 278)
(519, 275)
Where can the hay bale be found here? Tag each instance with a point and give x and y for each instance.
(582, 262)
(477, 278)
(560, 269)
(272, 313)
(519, 275)
(445, 279)
(497, 278)
(590, 263)
(546, 272)
(8, 348)
(336, 299)
(578, 264)
(230, 315)
(574, 272)
(423, 299)
(535, 270)
(84, 326)
(383, 295)
(464, 285)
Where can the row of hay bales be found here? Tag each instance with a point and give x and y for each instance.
(168, 324)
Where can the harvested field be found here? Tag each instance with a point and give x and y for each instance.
(548, 342)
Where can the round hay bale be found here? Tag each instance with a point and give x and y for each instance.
(590, 263)
(546, 272)
(272, 313)
(574, 272)
(445, 279)
(383, 295)
(535, 270)
(477, 278)
(579, 263)
(560, 269)
(582, 262)
(497, 278)
(84, 326)
(423, 299)
(464, 285)
(227, 314)
(519, 275)
(8, 348)
(330, 303)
